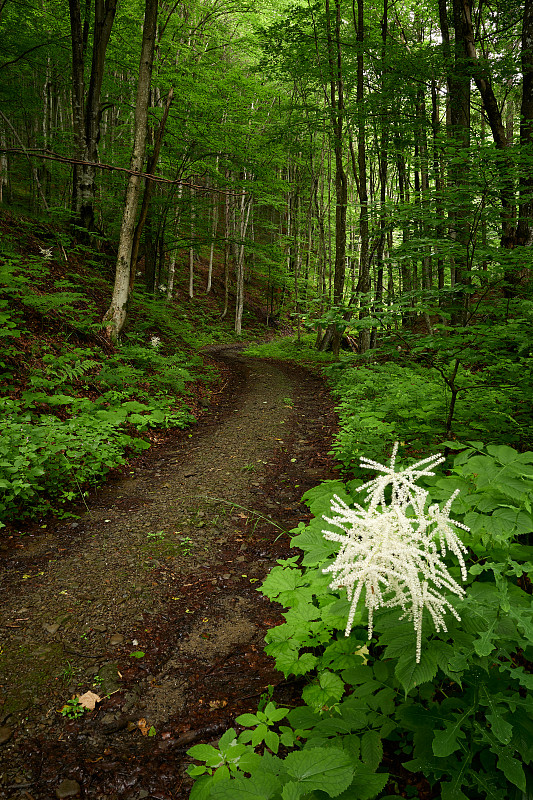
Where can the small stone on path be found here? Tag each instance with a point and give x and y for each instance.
(52, 629)
(67, 788)
(5, 734)
(117, 638)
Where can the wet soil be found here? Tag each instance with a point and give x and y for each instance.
(149, 599)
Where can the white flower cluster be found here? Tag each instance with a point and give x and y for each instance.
(155, 341)
(394, 548)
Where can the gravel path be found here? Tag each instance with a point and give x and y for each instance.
(148, 599)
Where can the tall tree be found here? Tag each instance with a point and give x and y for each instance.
(115, 316)
(86, 105)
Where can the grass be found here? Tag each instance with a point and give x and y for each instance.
(289, 348)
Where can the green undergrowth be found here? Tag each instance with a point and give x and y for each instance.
(71, 407)
(290, 348)
(379, 404)
(462, 716)
(459, 383)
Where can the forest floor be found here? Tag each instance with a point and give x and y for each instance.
(149, 599)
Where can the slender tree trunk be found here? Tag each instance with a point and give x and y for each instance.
(214, 225)
(383, 160)
(363, 285)
(246, 205)
(148, 185)
(226, 248)
(191, 245)
(524, 235)
(115, 316)
(458, 79)
(173, 256)
(86, 111)
(341, 181)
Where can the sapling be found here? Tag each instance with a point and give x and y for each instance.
(394, 548)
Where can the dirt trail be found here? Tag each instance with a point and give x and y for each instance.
(149, 598)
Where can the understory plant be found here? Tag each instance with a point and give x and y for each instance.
(413, 632)
(382, 403)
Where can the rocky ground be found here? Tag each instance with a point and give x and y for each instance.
(149, 599)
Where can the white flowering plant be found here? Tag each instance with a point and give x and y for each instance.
(454, 695)
(457, 707)
(393, 551)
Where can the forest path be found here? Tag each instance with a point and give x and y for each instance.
(149, 599)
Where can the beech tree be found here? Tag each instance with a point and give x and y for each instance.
(86, 103)
(116, 314)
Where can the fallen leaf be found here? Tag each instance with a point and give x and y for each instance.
(214, 704)
(89, 700)
(143, 726)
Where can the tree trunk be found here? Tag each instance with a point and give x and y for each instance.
(214, 225)
(363, 285)
(115, 316)
(148, 185)
(341, 181)
(191, 245)
(525, 209)
(458, 79)
(246, 206)
(86, 112)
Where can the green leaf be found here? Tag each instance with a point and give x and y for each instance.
(272, 741)
(134, 405)
(449, 791)
(484, 644)
(445, 742)
(329, 690)
(261, 786)
(512, 769)
(366, 785)
(227, 739)
(332, 683)
(293, 791)
(502, 729)
(202, 788)
(259, 734)
(205, 752)
(490, 785)
(371, 749)
(248, 720)
(327, 769)
(279, 580)
(411, 674)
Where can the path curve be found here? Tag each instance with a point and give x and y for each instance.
(164, 564)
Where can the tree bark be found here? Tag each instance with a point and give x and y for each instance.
(524, 235)
(341, 181)
(363, 285)
(115, 316)
(86, 110)
(148, 186)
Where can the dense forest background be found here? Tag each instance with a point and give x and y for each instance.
(368, 165)
(363, 173)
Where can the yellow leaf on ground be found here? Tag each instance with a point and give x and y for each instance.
(143, 726)
(213, 704)
(89, 700)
